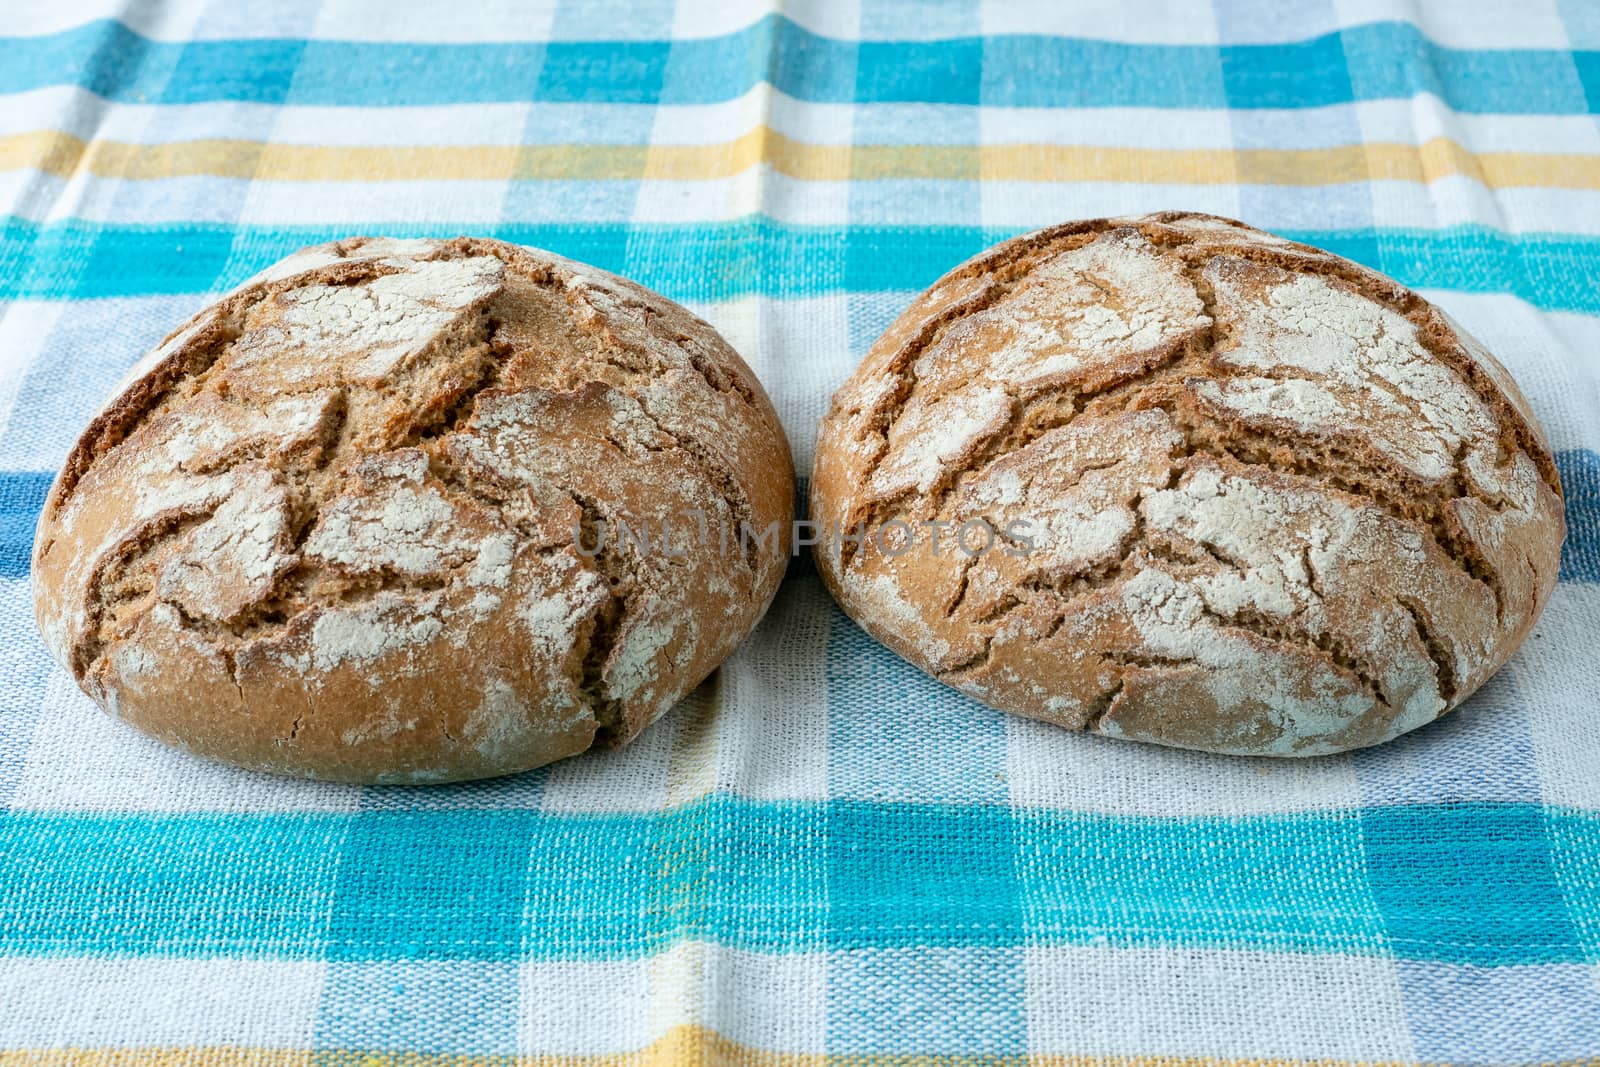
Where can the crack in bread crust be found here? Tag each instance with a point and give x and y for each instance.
(1019, 430)
(371, 453)
(1260, 405)
(144, 395)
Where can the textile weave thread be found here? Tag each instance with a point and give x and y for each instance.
(822, 857)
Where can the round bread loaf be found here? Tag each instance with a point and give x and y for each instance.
(416, 511)
(1216, 490)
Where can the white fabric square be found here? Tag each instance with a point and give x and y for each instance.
(55, 1002)
(173, 20)
(627, 779)
(692, 19)
(1129, 21)
(346, 204)
(25, 326)
(806, 349)
(702, 200)
(128, 771)
(1058, 769)
(1268, 22)
(1475, 24)
(181, 201)
(71, 110)
(583, 1008)
(772, 736)
(839, 19)
(1557, 674)
(1092, 1001)
(33, 195)
(423, 21)
(1156, 129)
(203, 120)
(1423, 117)
(1458, 200)
(776, 1003)
(710, 124)
(404, 127)
(805, 203)
(810, 121)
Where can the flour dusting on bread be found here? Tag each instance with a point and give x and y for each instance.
(333, 526)
(1273, 503)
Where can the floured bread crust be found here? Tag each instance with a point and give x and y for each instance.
(347, 522)
(1248, 496)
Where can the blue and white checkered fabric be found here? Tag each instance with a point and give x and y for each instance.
(822, 856)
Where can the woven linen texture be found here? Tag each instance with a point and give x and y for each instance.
(821, 856)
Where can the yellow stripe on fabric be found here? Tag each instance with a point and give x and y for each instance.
(64, 155)
(681, 1045)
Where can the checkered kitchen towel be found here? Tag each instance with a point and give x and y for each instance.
(822, 857)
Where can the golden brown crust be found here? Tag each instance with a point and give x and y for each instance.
(346, 522)
(1263, 500)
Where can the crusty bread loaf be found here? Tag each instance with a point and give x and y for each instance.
(362, 519)
(1245, 496)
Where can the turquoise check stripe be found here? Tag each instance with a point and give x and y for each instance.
(756, 255)
(1370, 62)
(823, 856)
(496, 885)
